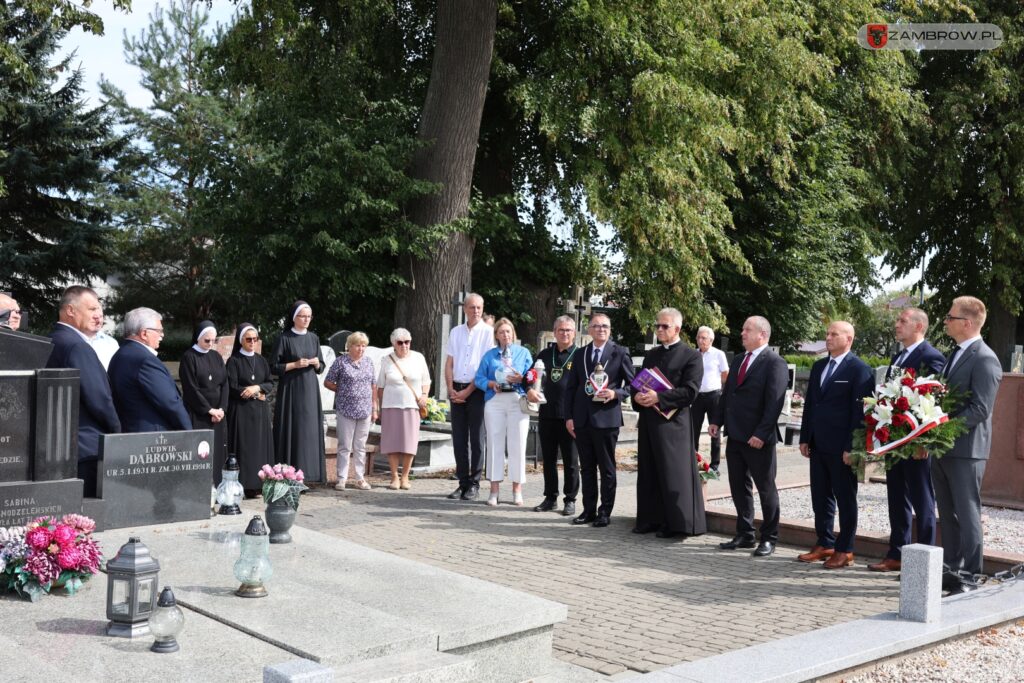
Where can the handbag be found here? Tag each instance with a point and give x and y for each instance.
(423, 411)
(527, 407)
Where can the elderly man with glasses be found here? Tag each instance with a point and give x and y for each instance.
(144, 392)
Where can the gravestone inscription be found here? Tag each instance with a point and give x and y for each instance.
(23, 501)
(16, 425)
(156, 477)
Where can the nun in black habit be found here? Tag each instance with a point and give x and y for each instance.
(298, 415)
(250, 436)
(204, 389)
(669, 498)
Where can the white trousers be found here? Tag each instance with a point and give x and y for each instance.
(507, 430)
(352, 435)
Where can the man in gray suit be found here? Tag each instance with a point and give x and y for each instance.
(974, 372)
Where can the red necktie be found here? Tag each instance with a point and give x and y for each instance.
(743, 369)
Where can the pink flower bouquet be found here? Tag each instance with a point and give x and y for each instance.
(47, 554)
(282, 481)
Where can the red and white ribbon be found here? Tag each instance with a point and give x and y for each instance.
(879, 449)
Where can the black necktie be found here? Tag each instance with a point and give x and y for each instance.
(596, 356)
(828, 372)
(949, 363)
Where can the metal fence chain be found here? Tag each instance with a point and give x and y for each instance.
(977, 580)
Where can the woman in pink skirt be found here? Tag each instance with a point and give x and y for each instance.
(402, 387)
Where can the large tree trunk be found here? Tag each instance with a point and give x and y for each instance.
(450, 124)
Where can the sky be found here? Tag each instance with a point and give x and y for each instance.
(104, 56)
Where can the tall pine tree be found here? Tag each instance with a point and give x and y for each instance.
(52, 151)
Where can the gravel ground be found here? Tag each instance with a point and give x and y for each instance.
(1004, 528)
(988, 656)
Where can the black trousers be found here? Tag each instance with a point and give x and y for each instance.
(597, 454)
(468, 439)
(753, 466)
(555, 439)
(88, 471)
(706, 404)
(833, 486)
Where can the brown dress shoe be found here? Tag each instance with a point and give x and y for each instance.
(817, 554)
(838, 561)
(886, 565)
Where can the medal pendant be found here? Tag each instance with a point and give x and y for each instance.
(589, 389)
(556, 375)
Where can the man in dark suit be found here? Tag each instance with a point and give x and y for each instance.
(749, 410)
(81, 317)
(833, 409)
(595, 416)
(144, 392)
(974, 372)
(908, 483)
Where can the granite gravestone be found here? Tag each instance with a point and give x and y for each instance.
(38, 432)
(156, 477)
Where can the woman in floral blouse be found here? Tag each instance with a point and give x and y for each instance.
(354, 382)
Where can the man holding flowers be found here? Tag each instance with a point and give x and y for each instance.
(972, 372)
(908, 482)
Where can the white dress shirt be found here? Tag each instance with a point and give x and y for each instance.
(466, 347)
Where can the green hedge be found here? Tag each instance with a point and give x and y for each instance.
(804, 362)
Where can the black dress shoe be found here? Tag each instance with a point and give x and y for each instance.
(602, 520)
(569, 510)
(456, 494)
(764, 549)
(585, 518)
(472, 493)
(548, 505)
(737, 542)
(665, 533)
(645, 529)
(962, 588)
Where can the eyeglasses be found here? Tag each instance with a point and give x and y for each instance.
(663, 326)
(404, 342)
(158, 330)
(600, 327)
(250, 340)
(207, 341)
(954, 317)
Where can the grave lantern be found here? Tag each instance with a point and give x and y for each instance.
(166, 622)
(230, 492)
(131, 590)
(253, 567)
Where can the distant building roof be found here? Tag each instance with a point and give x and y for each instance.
(811, 347)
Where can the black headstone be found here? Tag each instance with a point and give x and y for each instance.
(23, 351)
(156, 477)
(56, 452)
(337, 341)
(16, 403)
(23, 501)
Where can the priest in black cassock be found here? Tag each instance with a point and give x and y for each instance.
(298, 416)
(669, 499)
(249, 434)
(204, 389)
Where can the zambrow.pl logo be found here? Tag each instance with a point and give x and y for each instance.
(930, 36)
(877, 35)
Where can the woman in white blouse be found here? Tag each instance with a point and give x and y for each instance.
(402, 388)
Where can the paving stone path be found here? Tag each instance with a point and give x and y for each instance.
(636, 603)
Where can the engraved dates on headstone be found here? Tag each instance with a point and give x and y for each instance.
(156, 477)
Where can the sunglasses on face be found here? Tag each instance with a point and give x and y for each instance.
(404, 342)
(663, 326)
(250, 340)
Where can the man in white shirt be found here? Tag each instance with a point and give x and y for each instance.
(716, 370)
(467, 343)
